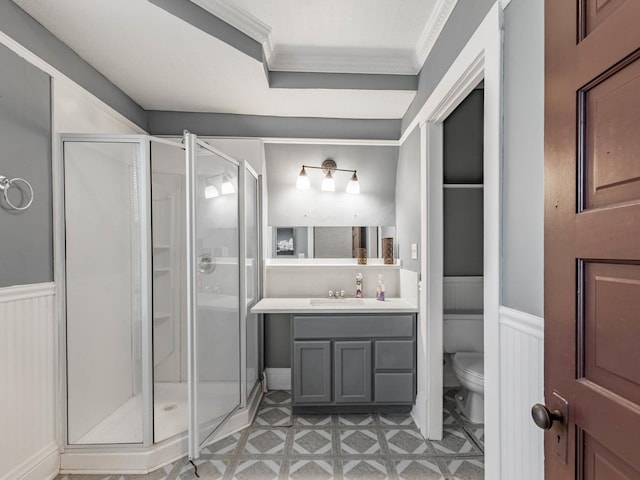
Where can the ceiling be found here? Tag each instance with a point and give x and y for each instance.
(165, 63)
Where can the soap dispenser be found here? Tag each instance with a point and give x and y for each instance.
(380, 289)
(359, 285)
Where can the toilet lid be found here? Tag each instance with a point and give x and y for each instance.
(470, 363)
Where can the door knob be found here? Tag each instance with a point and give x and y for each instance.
(543, 417)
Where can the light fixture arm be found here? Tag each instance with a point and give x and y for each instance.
(331, 169)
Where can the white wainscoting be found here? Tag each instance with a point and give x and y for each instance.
(28, 369)
(521, 385)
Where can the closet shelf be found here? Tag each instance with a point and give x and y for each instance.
(463, 185)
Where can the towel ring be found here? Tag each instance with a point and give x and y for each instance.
(6, 184)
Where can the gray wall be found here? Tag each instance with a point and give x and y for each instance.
(277, 340)
(235, 125)
(408, 200)
(374, 206)
(464, 20)
(26, 238)
(463, 232)
(523, 182)
(463, 164)
(16, 23)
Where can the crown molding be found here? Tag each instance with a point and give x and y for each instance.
(432, 30)
(239, 18)
(341, 60)
(311, 59)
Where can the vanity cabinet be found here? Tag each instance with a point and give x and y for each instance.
(312, 375)
(352, 371)
(353, 363)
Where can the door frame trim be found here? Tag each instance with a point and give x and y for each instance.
(481, 58)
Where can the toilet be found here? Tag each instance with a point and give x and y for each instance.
(463, 337)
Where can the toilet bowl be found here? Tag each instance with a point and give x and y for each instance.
(469, 370)
(464, 340)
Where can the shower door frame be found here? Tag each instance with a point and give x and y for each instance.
(143, 167)
(191, 142)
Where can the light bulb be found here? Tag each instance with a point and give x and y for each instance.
(227, 186)
(328, 184)
(353, 186)
(302, 183)
(211, 192)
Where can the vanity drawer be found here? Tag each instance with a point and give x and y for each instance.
(394, 387)
(394, 355)
(352, 326)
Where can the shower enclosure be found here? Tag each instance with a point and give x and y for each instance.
(161, 249)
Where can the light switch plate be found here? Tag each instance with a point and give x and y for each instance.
(414, 251)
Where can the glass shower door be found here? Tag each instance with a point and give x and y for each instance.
(252, 261)
(213, 283)
(107, 299)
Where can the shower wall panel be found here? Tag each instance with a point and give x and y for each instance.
(103, 290)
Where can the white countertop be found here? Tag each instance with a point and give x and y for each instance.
(303, 305)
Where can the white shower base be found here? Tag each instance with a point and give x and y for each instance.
(170, 405)
(170, 412)
(142, 460)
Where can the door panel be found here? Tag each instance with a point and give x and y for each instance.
(312, 372)
(600, 462)
(352, 376)
(597, 11)
(592, 231)
(217, 285)
(612, 328)
(612, 120)
(213, 289)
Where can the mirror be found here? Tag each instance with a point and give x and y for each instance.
(328, 242)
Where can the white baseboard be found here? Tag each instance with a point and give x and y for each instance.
(44, 465)
(419, 414)
(278, 378)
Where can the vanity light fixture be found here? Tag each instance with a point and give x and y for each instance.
(303, 182)
(211, 192)
(353, 186)
(328, 183)
(227, 186)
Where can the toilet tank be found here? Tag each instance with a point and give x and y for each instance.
(463, 331)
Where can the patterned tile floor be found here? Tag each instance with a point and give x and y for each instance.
(279, 445)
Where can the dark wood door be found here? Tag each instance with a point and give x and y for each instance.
(592, 238)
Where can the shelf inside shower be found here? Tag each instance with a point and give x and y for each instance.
(158, 316)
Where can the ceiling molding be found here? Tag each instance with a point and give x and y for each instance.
(432, 30)
(340, 60)
(239, 18)
(347, 81)
(311, 59)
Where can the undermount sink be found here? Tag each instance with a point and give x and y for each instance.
(336, 301)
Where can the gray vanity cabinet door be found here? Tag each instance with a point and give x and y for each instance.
(312, 372)
(352, 372)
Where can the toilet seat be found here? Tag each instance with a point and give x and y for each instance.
(471, 366)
